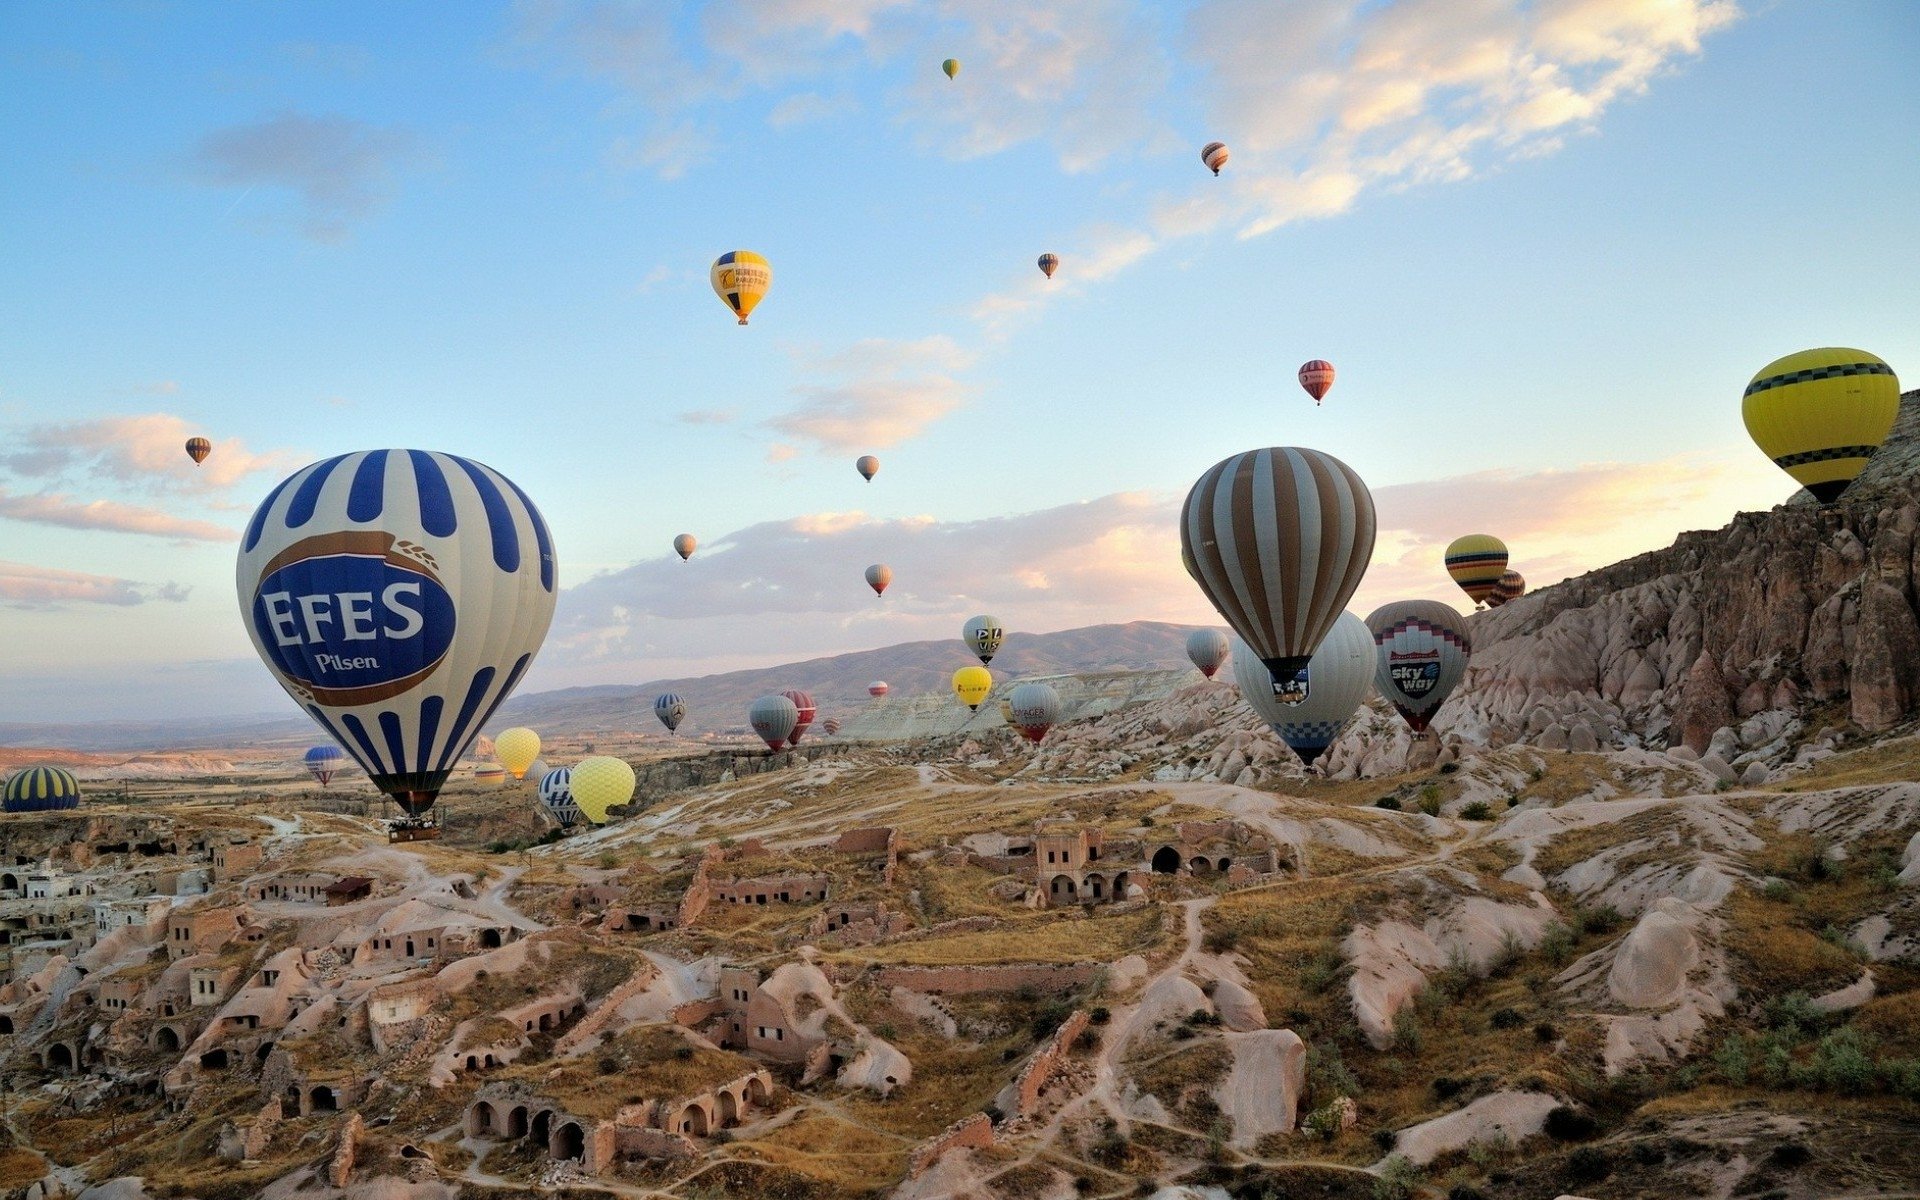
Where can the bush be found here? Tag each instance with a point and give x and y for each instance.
(1219, 941)
(1479, 810)
(1446, 1087)
(1791, 1154)
(1557, 943)
(1324, 1122)
(1777, 890)
(1448, 768)
(1569, 1124)
(1100, 1015)
(1792, 1014)
(1147, 821)
(1399, 1179)
(1841, 1062)
(608, 1064)
(1588, 1164)
(1322, 971)
(1598, 918)
(1390, 803)
(683, 1053)
(1506, 1018)
(1733, 1061)
(886, 1031)
(1430, 799)
(1183, 1033)
(1087, 1039)
(1406, 1032)
(1461, 1191)
(1546, 1031)
(1327, 1072)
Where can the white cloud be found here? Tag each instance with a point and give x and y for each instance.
(145, 452)
(25, 586)
(337, 169)
(877, 393)
(52, 508)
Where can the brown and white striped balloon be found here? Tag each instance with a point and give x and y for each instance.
(1278, 540)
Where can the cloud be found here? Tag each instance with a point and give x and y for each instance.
(146, 452)
(707, 416)
(877, 393)
(50, 508)
(337, 169)
(803, 108)
(24, 586)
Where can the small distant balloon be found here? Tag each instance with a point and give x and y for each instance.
(879, 575)
(490, 775)
(741, 279)
(323, 761)
(198, 448)
(878, 688)
(1208, 648)
(951, 67)
(671, 710)
(1049, 263)
(972, 684)
(983, 635)
(1035, 709)
(868, 466)
(1512, 586)
(684, 546)
(831, 725)
(1317, 378)
(1214, 154)
(1476, 563)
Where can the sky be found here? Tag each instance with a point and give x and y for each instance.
(1545, 243)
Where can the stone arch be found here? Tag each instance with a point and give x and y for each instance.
(726, 1110)
(260, 1055)
(517, 1121)
(569, 1142)
(6, 1023)
(473, 1062)
(1199, 864)
(1097, 886)
(1120, 885)
(1225, 863)
(540, 1129)
(489, 939)
(322, 1099)
(290, 1103)
(59, 1057)
(692, 1121)
(546, 1022)
(1061, 888)
(167, 1039)
(755, 1092)
(483, 1120)
(214, 1059)
(9, 882)
(489, 1062)
(1166, 861)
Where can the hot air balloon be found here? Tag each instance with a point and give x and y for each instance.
(741, 279)
(599, 784)
(515, 749)
(1476, 563)
(398, 596)
(868, 466)
(951, 67)
(1036, 709)
(879, 575)
(972, 684)
(983, 635)
(878, 688)
(1317, 377)
(1821, 414)
(773, 718)
(1214, 154)
(683, 546)
(490, 774)
(671, 710)
(556, 796)
(198, 448)
(1334, 683)
(1512, 586)
(1049, 263)
(322, 761)
(831, 725)
(1421, 649)
(1278, 540)
(803, 713)
(41, 789)
(536, 771)
(1208, 648)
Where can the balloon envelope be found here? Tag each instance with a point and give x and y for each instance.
(1278, 540)
(198, 448)
(515, 749)
(803, 714)
(773, 718)
(983, 635)
(671, 710)
(1317, 378)
(741, 279)
(1049, 263)
(1476, 563)
(1214, 154)
(684, 546)
(972, 684)
(1035, 708)
(951, 67)
(1336, 681)
(868, 466)
(879, 575)
(599, 784)
(1821, 414)
(40, 789)
(1421, 648)
(831, 725)
(556, 796)
(322, 761)
(878, 688)
(1208, 648)
(398, 596)
(490, 774)
(1512, 586)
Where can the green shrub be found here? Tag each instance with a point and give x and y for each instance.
(1733, 1061)
(1842, 1062)
(1479, 810)
(1793, 1013)
(1557, 943)
(1399, 1179)
(1506, 1018)
(1777, 890)
(1569, 1124)
(1327, 1072)
(1324, 1122)
(1406, 1032)
(1598, 918)
(1390, 803)
(1588, 1164)
(1430, 799)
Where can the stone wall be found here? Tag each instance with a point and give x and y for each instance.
(666, 775)
(340, 1168)
(633, 1141)
(956, 981)
(972, 1133)
(873, 840)
(1046, 1063)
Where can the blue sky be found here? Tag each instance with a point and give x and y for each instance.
(1545, 244)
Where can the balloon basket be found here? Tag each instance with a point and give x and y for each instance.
(414, 829)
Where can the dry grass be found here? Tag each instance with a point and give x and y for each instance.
(849, 1158)
(650, 1062)
(1775, 953)
(20, 1167)
(1896, 760)
(1045, 938)
(1658, 826)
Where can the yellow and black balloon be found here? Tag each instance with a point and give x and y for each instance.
(1821, 414)
(741, 279)
(1476, 562)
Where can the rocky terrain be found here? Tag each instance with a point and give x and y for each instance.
(1640, 920)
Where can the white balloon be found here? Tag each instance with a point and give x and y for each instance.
(1337, 680)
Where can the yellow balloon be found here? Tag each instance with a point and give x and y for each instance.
(741, 279)
(1820, 415)
(972, 684)
(601, 783)
(1476, 563)
(516, 749)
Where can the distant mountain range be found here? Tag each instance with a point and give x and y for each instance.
(715, 703)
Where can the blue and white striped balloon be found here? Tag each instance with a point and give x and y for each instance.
(398, 596)
(671, 710)
(556, 796)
